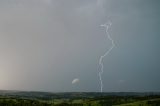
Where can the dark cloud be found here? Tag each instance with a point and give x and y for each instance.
(45, 44)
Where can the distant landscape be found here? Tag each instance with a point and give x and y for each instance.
(30, 98)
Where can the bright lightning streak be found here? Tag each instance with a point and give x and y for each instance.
(106, 26)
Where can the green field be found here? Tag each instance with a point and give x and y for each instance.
(152, 102)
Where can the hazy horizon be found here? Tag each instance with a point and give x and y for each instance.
(55, 45)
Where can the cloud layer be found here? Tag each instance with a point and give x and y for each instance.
(45, 44)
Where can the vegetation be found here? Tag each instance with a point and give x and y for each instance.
(78, 99)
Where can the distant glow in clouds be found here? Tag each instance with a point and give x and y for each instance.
(76, 80)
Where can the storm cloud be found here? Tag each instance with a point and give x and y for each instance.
(45, 44)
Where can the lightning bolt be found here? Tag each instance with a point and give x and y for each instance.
(106, 26)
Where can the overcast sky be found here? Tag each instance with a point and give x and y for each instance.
(55, 45)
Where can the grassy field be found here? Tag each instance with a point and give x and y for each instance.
(152, 102)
